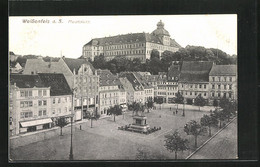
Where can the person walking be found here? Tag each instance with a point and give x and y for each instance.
(176, 112)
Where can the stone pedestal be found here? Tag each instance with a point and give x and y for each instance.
(139, 124)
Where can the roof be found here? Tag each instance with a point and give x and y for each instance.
(142, 80)
(106, 78)
(174, 71)
(76, 64)
(26, 81)
(193, 77)
(56, 82)
(223, 70)
(195, 71)
(196, 66)
(133, 80)
(130, 38)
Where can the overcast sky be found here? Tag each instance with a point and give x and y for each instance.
(68, 37)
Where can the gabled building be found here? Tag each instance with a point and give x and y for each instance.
(194, 79)
(223, 82)
(29, 104)
(37, 101)
(16, 68)
(135, 90)
(133, 45)
(79, 74)
(60, 96)
(111, 91)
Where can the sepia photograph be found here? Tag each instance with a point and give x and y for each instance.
(123, 87)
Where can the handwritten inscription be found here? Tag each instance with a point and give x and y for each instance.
(55, 21)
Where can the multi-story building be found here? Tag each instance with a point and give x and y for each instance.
(194, 79)
(173, 79)
(136, 45)
(30, 104)
(111, 91)
(223, 82)
(37, 101)
(79, 74)
(60, 96)
(134, 89)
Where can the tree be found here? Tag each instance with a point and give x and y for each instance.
(155, 54)
(115, 110)
(91, 116)
(219, 115)
(149, 104)
(175, 143)
(215, 103)
(179, 99)
(199, 101)
(224, 103)
(195, 129)
(61, 122)
(209, 121)
(136, 107)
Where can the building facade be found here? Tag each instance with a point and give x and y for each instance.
(136, 45)
(223, 82)
(79, 74)
(30, 104)
(194, 80)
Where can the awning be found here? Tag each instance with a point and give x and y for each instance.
(36, 122)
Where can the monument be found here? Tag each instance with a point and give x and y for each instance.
(139, 124)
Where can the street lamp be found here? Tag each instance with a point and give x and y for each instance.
(183, 113)
(72, 111)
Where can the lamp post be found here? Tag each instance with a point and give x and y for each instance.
(183, 113)
(72, 111)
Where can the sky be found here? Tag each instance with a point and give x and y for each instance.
(67, 37)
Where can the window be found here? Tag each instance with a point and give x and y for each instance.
(213, 94)
(26, 93)
(28, 114)
(225, 79)
(219, 78)
(218, 86)
(190, 86)
(42, 102)
(205, 94)
(213, 86)
(213, 78)
(58, 100)
(44, 93)
(195, 93)
(230, 79)
(200, 86)
(225, 86)
(24, 104)
(39, 92)
(196, 85)
(218, 94)
(42, 112)
(190, 93)
(205, 86)
(53, 101)
(230, 95)
(53, 111)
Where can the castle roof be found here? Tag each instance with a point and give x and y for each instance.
(129, 38)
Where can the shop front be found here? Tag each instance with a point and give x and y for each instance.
(35, 125)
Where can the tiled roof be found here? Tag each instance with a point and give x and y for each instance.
(223, 70)
(143, 80)
(196, 66)
(195, 71)
(174, 71)
(56, 82)
(132, 79)
(26, 81)
(106, 78)
(194, 77)
(129, 38)
(76, 64)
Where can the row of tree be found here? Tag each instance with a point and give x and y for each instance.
(158, 63)
(174, 142)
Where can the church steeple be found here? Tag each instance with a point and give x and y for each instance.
(160, 31)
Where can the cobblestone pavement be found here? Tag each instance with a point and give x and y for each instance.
(105, 142)
(222, 146)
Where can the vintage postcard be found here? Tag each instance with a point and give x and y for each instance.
(132, 87)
